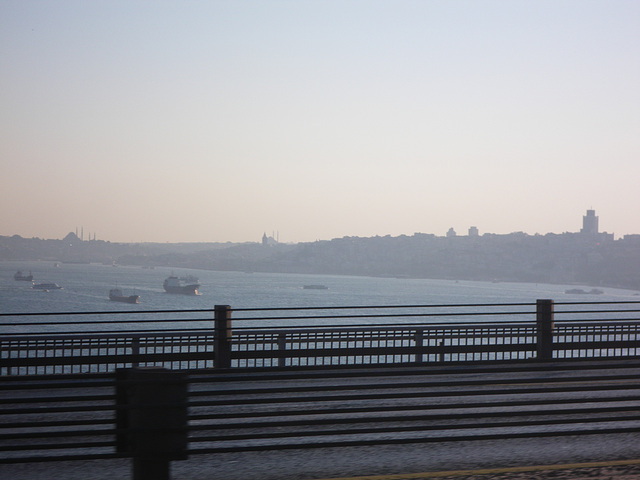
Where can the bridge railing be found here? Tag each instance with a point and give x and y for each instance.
(382, 345)
(91, 342)
(596, 330)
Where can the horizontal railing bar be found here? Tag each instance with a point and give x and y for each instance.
(70, 378)
(410, 440)
(417, 384)
(431, 305)
(392, 408)
(410, 428)
(428, 394)
(66, 458)
(32, 434)
(57, 399)
(106, 312)
(386, 326)
(108, 322)
(57, 384)
(81, 408)
(610, 302)
(354, 307)
(617, 310)
(101, 432)
(106, 333)
(390, 315)
(57, 423)
(591, 321)
(68, 409)
(364, 371)
(59, 446)
(416, 417)
(210, 310)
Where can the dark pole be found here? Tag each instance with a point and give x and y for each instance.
(544, 324)
(152, 419)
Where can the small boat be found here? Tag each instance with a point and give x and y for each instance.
(47, 286)
(580, 291)
(23, 278)
(173, 284)
(575, 291)
(116, 295)
(315, 287)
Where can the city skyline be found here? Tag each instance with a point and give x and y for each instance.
(218, 121)
(590, 226)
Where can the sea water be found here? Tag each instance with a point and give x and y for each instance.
(85, 288)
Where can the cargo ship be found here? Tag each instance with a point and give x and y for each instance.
(173, 284)
(23, 278)
(116, 295)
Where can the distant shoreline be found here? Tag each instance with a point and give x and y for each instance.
(595, 260)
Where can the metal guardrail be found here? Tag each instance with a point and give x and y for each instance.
(154, 416)
(77, 394)
(92, 342)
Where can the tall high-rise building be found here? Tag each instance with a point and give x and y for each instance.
(590, 222)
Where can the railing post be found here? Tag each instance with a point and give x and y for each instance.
(282, 347)
(419, 338)
(544, 324)
(151, 419)
(222, 336)
(135, 351)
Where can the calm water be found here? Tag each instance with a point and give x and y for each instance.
(86, 288)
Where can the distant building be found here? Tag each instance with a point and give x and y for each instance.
(451, 232)
(473, 231)
(71, 238)
(590, 223)
(268, 241)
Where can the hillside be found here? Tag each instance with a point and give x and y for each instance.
(552, 258)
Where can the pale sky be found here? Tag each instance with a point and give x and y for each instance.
(198, 121)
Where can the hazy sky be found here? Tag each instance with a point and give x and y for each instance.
(221, 120)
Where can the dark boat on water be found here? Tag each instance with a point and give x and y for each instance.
(173, 284)
(315, 287)
(23, 278)
(116, 295)
(580, 291)
(47, 286)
